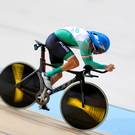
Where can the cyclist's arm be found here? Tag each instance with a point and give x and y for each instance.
(87, 56)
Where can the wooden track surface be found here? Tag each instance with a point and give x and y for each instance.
(26, 122)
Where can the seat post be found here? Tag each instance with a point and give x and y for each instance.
(42, 59)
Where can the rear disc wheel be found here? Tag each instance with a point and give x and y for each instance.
(13, 74)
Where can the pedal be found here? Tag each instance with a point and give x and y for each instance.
(43, 103)
(44, 107)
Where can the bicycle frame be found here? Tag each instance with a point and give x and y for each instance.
(79, 77)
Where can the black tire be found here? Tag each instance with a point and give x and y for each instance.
(12, 74)
(94, 111)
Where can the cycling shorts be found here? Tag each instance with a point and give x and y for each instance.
(58, 50)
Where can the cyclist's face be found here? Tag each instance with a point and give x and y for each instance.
(98, 51)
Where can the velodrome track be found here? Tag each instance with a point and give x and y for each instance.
(28, 122)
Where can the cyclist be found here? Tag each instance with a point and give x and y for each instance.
(88, 42)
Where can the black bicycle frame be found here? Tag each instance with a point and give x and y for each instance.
(79, 77)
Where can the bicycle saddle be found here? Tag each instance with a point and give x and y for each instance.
(39, 43)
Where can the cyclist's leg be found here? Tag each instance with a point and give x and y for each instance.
(55, 78)
(59, 52)
(56, 62)
(70, 64)
(68, 55)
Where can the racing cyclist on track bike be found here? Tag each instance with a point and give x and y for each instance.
(58, 44)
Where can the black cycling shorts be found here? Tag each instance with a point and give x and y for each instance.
(58, 51)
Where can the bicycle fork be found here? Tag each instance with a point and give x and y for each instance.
(82, 85)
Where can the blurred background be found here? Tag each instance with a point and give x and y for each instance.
(23, 21)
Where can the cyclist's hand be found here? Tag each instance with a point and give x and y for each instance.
(110, 67)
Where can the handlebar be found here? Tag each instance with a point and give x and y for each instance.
(88, 69)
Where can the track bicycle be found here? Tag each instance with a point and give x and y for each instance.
(84, 105)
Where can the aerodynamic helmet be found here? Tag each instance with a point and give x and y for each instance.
(100, 41)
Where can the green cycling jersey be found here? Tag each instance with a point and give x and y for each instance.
(78, 37)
